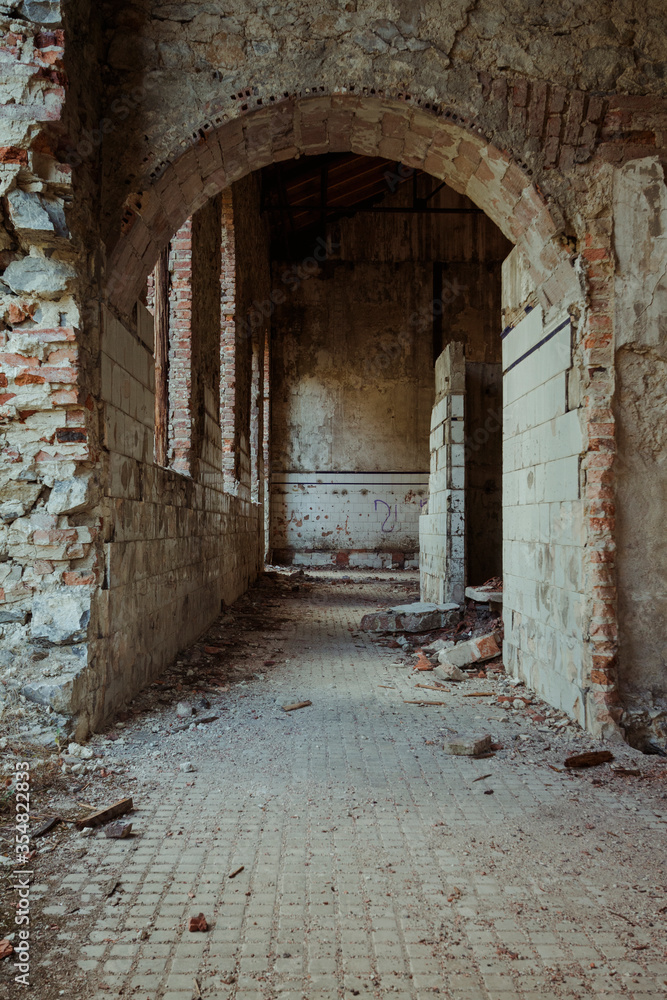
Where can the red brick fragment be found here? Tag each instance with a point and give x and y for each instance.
(198, 923)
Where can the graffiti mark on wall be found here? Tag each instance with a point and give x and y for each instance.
(389, 514)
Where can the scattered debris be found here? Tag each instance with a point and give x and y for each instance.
(102, 816)
(6, 948)
(118, 831)
(484, 647)
(620, 769)
(478, 694)
(187, 765)
(198, 923)
(423, 662)
(488, 791)
(448, 671)
(111, 887)
(206, 719)
(439, 645)
(198, 992)
(237, 871)
(296, 705)
(590, 759)
(490, 593)
(50, 824)
(76, 750)
(418, 617)
(417, 701)
(482, 777)
(184, 710)
(467, 745)
(432, 687)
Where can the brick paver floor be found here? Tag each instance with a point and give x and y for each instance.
(374, 865)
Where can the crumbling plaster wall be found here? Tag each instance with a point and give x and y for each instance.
(353, 371)
(253, 288)
(177, 72)
(436, 51)
(640, 240)
(50, 540)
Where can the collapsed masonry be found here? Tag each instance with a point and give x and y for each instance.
(144, 472)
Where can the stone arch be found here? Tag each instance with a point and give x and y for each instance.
(443, 145)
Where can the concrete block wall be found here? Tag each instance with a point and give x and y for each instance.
(362, 519)
(442, 522)
(544, 599)
(174, 548)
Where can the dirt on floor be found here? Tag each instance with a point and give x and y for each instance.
(231, 679)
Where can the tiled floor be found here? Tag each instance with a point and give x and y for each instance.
(374, 864)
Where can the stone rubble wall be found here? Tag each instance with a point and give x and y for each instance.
(50, 480)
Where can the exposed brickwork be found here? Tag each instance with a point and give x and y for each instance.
(597, 353)
(180, 350)
(436, 144)
(228, 345)
(537, 156)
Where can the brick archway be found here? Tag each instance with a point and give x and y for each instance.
(444, 146)
(450, 149)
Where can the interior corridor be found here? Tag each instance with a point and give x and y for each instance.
(374, 864)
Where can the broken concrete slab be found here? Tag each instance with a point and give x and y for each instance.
(467, 744)
(485, 595)
(450, 672)
(484, 647)
(422, 616)
(439, 645)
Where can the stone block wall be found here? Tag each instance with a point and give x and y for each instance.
(442, 564)
(174, 548)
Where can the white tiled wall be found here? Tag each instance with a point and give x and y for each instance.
(368, 514)
(542, 514)
(442, 523)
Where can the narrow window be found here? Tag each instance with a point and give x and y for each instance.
(160, 292)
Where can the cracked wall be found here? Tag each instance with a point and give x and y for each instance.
(526, 111)
(640, 234)
(354, 340)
